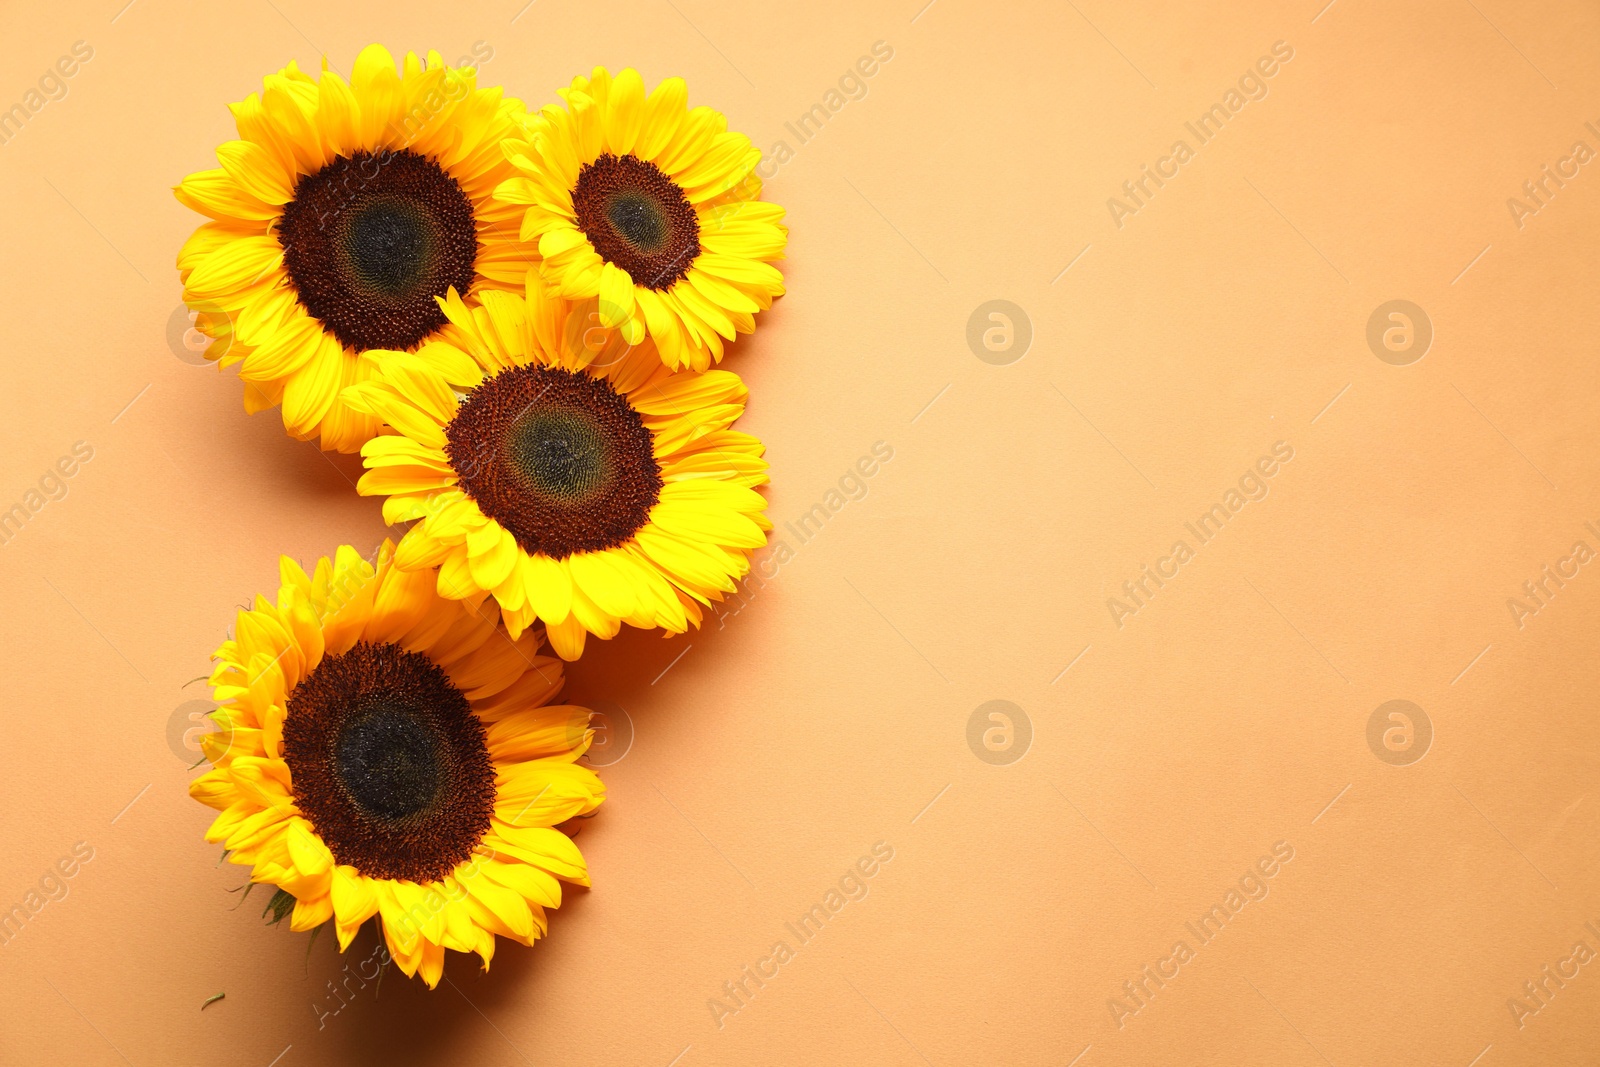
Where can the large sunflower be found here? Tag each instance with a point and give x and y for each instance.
(384, 751)
(653, 209)
(578, 479)
(339, 215)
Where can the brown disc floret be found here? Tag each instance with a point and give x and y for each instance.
(637, 218)
(389, 763)
(558, 458)
(369, 241)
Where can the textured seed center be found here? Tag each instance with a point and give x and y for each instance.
(388, 246)
(389, 763)
(558, 458)
(370, 240)
(560, 453)
(637, 218)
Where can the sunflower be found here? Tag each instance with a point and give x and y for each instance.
(578, 480)
(385, 752)
(340, 213)
(654, 209)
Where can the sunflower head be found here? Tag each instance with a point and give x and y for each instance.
(338, 216)
(652, 209)
(567, 473)
(383, 751)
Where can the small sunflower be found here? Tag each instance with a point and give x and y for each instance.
(386, 752)
(652, 208)
(578, 480)
(339, 215)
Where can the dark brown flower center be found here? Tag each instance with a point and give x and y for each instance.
(557, 458)
(389, 763)
(370, 240)
(638, 218)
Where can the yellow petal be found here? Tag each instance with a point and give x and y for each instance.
(625, 111)
(389, 405)
(509, 907)
(664, 112)
(492, 555)
(338, 114)
(566, 637)
(532, 883)
(605, 581)
(616, 295)
(311, 392)
(256, 171)
(350, 594)
(215, 194)
(307, 850)
(239, 264)
(310, 914)
(378, 88)
(355, 900)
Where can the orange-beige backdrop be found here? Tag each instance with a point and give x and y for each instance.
(1182, 422)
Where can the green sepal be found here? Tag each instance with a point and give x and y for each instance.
(279, 907)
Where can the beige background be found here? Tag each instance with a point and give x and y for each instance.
(831, 712)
